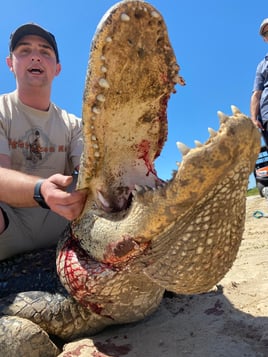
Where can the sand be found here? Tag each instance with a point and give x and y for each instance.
(230, 321)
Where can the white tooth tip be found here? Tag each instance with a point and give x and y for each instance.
(198, 144)
(184, 149)
(103, 201)
(235, 110)
(212, 132)
(125, 17)
(103, 83)
(138, 188)
(155, 14)
(223, 117)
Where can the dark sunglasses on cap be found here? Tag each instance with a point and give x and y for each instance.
(265, 34)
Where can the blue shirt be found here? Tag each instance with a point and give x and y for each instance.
(261, 83)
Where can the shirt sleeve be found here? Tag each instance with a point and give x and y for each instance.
(259, 78)
(4, 144)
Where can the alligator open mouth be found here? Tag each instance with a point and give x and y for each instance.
(184, 233)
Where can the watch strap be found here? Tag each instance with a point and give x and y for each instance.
(38, 197)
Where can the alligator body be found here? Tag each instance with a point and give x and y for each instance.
(138, 235)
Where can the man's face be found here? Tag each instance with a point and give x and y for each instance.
(33, 61)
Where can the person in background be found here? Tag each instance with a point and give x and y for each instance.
(40, 147)
(259, 98)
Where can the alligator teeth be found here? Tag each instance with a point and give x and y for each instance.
(109, 39)
(103, 69)
(223, 118)
(147, 188)
(198, 144)
(212, 132)
(235, 110)
(184, 149)
(155, 14)
(101, 98)
(138, 188)
(103, 201)
(103, 83)
(96, 110)
(125, 17)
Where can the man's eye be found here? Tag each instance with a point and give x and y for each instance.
(46, 53)
(25, 50)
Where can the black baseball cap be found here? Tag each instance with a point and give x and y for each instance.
(33, 29)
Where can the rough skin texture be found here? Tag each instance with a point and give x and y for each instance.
(138, 236)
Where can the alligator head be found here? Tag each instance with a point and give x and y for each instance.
(139, 235)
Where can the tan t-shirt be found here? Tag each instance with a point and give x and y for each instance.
(39, 143)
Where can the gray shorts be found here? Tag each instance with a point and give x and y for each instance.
(29, 229)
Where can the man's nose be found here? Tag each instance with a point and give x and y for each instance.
(35, 56)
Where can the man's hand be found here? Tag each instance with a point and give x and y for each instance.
(66, 204)
(257, 123)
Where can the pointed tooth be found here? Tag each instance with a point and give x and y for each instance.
(178, 164)
(148, 188)
(212, 132)
(235, 110)
(160, 184)
(223, 117)
(101, 98)
(198, 144)
(125, 17)
(138, 188)
(155, 14)
(96, 110)
(103, 201)
(184, 149)
(134, 193)
(104, 83)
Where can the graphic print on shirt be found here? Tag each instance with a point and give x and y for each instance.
(36, 147)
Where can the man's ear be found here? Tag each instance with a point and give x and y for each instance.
(58, 69)
(9, 63)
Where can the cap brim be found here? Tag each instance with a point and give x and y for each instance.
(32, 29)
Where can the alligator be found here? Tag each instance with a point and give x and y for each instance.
(138, 235)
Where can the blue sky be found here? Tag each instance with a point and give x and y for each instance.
(216, 44)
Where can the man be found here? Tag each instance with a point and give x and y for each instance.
(259, 98)
(40, 147)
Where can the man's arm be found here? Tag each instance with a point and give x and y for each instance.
(255, 108)
(17, 190)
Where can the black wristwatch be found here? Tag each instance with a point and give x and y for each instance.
(38, 197)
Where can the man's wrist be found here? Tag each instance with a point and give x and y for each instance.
(38, 197)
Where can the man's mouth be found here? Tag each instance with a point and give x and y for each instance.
(35, 70)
